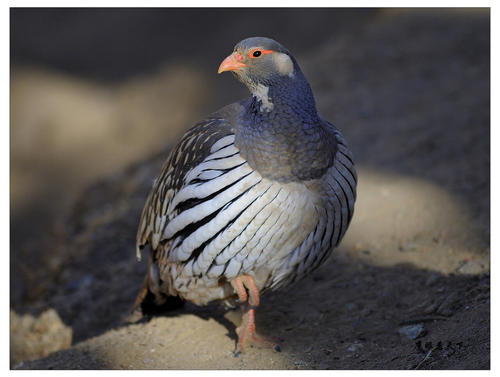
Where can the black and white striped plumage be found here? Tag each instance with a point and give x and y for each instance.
(264, 187)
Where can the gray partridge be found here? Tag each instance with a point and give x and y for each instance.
(253, 197)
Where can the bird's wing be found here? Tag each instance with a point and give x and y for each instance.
(193, 148)
(345, 171)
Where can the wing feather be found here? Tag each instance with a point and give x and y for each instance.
(194, 147)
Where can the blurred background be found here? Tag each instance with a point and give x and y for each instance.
(94, 91)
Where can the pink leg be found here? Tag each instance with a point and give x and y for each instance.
(246, 332)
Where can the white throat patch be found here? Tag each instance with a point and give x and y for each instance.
(261, 93)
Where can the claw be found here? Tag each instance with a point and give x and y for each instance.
(248, 295)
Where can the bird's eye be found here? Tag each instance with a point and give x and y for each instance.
(255, 53)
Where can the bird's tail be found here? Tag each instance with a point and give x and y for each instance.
(151, 299)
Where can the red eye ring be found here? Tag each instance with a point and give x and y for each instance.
(257, 52)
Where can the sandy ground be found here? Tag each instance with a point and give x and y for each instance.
(409, 286)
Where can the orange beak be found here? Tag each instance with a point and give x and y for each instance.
(231, 63)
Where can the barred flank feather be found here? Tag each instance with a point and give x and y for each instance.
(213, 217)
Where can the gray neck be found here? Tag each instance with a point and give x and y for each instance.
(288, 97)
(280, 133)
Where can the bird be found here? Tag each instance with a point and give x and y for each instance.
(252, 198)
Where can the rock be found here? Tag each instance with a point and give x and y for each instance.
(33, 338)
(474, 265)
(355, 346)
(448, 305)
(412, 331)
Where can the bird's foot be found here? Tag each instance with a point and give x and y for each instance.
(247, 335)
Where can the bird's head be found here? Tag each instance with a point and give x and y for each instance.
(259, 61)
